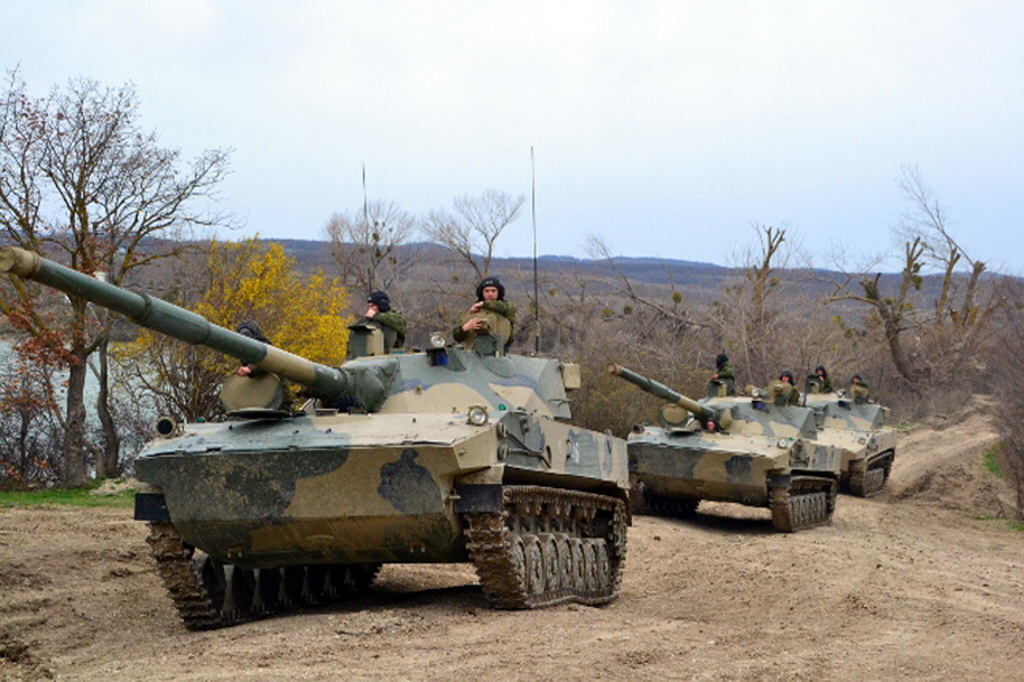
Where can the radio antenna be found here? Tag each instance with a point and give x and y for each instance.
(536, 282)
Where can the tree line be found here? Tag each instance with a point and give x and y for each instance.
(82, 183)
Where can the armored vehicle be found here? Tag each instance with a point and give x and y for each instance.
(446, 455)
(856, 426)
(757, 450)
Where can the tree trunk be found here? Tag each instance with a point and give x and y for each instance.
(892, 324)
(75, 475)
(107, 467)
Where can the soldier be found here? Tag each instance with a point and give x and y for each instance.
(823, 380)
(252, 330)
(723, 375)
(491, 314)
(379, 314)
(787, 380)
(859, 390)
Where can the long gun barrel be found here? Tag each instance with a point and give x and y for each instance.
(184, 325)
(662, 391)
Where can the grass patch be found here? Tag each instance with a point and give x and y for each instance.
(1010, 524)
(990, 461)
(76, 497)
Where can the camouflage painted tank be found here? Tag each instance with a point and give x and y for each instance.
(759, 451)
(446, 455)
(857, 427)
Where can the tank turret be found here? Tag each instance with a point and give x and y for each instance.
(704, 413)
(447, 455)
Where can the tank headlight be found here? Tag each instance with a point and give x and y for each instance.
(438, 340)
(477, 415)
(783, 443)
(167, 427)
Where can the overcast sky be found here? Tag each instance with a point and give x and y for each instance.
(666, 128)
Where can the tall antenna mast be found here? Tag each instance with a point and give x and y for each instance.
(536, 282)
(366, 228)
(366, 204)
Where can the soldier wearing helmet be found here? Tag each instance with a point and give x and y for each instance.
(491, 314)
(379, 314)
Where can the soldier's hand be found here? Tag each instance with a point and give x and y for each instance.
(474, 324)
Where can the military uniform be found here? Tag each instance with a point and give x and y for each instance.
(390, 322)
(724, 377)
(499, 316)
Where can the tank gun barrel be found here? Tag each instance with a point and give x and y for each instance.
(661, 391)
(184, 325)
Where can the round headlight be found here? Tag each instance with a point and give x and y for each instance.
(783, 443)
(438, 340)
(477, 415)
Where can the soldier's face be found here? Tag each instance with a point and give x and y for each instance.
(490, 293)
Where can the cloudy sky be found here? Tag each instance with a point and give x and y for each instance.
(666, 128)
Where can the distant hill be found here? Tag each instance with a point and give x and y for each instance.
(697, 280)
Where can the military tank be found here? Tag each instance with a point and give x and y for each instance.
(758, 451)
(445, 455)
(858, 428)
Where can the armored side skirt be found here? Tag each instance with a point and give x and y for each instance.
(677, 472)
(278, 508)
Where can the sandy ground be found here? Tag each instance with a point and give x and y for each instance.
(915, 584)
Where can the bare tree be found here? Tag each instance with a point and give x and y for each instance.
(83, 184)
(475, 225)
(372, 249)
(895, 312)
(670, 313)
(749, 318)
(926, 342)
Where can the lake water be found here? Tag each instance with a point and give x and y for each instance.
(7, 358)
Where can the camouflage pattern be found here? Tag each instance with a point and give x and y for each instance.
(329, 486)
(858, 429)
(758, 452)
(437, 456)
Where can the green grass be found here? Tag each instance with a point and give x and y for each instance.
(77, 497)
(1010, 524)
(990, 461)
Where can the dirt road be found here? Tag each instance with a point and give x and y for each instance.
(912, 585)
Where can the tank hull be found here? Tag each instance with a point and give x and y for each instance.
(859, 430)
(334, 489)
(679, 471)
(251, 516)
(749, 451)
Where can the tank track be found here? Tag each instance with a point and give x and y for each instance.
(807, 502)
(549, 546)
(871, 482)
(209, 594)
(673, 507)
